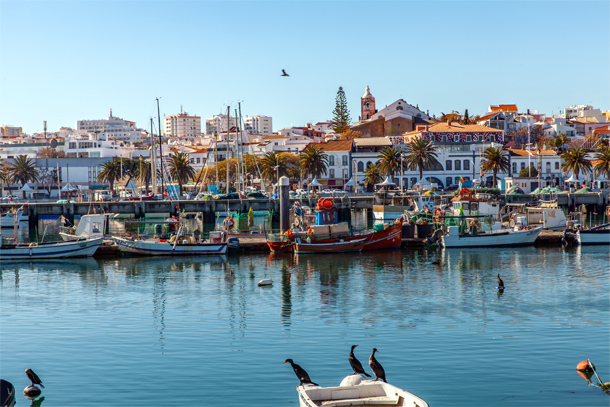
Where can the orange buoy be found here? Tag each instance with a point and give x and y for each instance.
(585, 374)
(584, 365)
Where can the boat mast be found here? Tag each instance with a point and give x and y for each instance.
(239, 160)
(227, 140)
(161, 150)
(153, 163)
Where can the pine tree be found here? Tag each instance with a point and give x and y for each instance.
(341, 119)
(466, 118)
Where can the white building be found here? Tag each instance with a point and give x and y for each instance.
(182, 126)
(218, 124)
(10, 131)
(262, 125)
(113, 127)
(583, 111)
(91, 146)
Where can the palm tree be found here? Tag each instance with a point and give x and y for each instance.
(23, 170)
(560, 140)
(273, 164)
(495, 161)
(603, 166)
(110, 173)
(145, 175)
(372, 175)
(131, 167)
(575, 161)
(5, 176)
(180, 169)
(389, 161)
(420, 154)
(314, 161)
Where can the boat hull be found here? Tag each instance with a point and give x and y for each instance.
(586, 237)
(509, 238)
(338, 247)
(80, 248)
(156, 248)
(7, 220)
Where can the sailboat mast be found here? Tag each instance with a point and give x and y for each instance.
(241, 149)
(153, 158)
(238, 167)
(161, 150)
(228, 144)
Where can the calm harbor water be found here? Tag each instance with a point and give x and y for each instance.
(183, 331)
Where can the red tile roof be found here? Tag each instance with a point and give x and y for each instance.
(504, 108)
(334, 145)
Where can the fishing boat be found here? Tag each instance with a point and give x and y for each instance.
(170, 242)
(326, 229)
(596, 235)
(92, 226)
(31, 251)
(7, 394)
(335, 247)
(7, 219)
(355, 391)
(497, 237)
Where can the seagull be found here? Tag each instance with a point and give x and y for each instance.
(355, 363)
(284, 73)
(301, 373)
(33, 377)
(500, 282)
(376, 367)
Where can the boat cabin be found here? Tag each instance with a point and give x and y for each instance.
(475, 206)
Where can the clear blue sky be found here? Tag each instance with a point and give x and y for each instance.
(73, 60)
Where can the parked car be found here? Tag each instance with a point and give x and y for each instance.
(9, 197)
(103, 196)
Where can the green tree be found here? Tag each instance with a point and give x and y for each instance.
(23, 170)
(389, 161)
(603, 165)
(466, 118)
(273, 166)
(341, 117)
(575, 161)
(530, 171)
(314, 161)
(180, 169)
(495, 160)
(372, 176)
(110, 173)
(559, 141)
(131, 167)
(420, 154)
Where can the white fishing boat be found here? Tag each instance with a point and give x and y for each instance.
(163, 247)
(498, 237)
(7, 219)
(355, 391)
(596, 235)
(52, 250)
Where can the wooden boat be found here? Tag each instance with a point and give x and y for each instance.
(597, 235)
(489, 239)
(7, 394)
(163, 247)
(33, 251)
(7, 219)
(335, 247)
(354, 391)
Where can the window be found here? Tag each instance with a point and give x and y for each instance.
(360, 166)
(331, 173)
(458, 165)
(522, 165)
(345, 160)
(514, 167)
(556, 165)
(457, 180)
(198, 160)
(72, 145)
(413, 181)
(466, 165)
(448, 181)
(548, 167)
(331, 160)
(448, 165)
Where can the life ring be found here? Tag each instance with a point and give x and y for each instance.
(288, 233)
(465, 192)
(437, 215)
(310, 231)
(608, 211)
(325, 204)
(476, 223)
(516, 184)
(228, 224)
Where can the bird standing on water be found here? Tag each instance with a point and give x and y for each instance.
(355, 363)
(500, 282)
(33, 377)
(284, 73)
(301, 373)
(376, 367)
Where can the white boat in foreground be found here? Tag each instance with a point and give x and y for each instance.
(597, 235)
(355, 391)
(162, 247)
(7, 219)
(489, 239)
(53, 250)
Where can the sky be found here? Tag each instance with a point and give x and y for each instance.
(63, 61)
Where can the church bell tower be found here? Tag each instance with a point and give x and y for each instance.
(367, 105)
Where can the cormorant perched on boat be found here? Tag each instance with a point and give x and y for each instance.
(355, 363)
(33, 377)
(376, 367)
(500, 282)
(301, 373)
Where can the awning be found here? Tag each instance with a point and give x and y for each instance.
(572, 179)
(69, 187)
(386, 181)
(26, 188)
(315, 183)
(350, 183)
